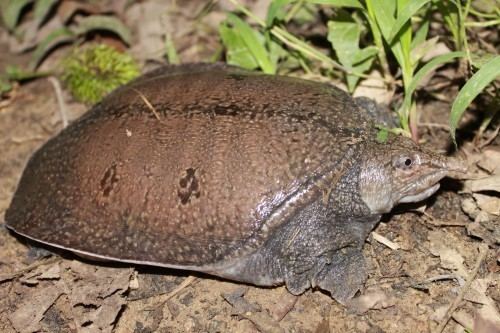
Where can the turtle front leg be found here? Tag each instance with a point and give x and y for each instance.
(344, 275)
(327, 253)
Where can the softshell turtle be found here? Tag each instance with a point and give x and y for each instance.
(251, 177)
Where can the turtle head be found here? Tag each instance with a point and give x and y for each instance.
(400, 171)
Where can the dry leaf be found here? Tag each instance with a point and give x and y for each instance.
(374, 88)
(437, 50)
(31, 310)
(239, 303)
(483, 325)
(149, 43)
(370, 300)
(489, 204)
(491, 183)
(450, 258)
(477, 294)
(490, 161)
(96, 294)
(283, 305)
(263, 322)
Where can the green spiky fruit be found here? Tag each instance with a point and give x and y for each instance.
(92, 72)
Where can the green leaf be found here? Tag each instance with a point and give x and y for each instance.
(102, 22)
(56, 37)
(276, 11)
(471, 89)
(426, 69)
(421, 34)
(237, 52)
(364, 54)
(276, 52)
(170, 51)
(362, 62)
(382, 135)
(42, 8)
(16, 73)
(431, 65)
(253, 44)
(384, 11)
(12, 11)
(422, 49)
(344, 34)
(404, 16)
(450, 10)
(338, 3)
(478, 60)
(5, 86)
(352, 79)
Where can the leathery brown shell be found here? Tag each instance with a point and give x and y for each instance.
(184, 166)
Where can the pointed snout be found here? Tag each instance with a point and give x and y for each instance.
(455, 166)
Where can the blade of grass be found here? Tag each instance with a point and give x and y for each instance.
(254, 46)
(384, 12)
(276, 11)
(237, 52)
(338, 3)
(42, 8)
(471, 89)
(170, 50)
(12, 11)
(404, 109)
(103, 22)
(421, 34)
(426, 69)
(377, 38)
(404, 16)
(58, 36)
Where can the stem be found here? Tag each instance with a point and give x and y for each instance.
(377, 38)
(296, 7)
(482, 24)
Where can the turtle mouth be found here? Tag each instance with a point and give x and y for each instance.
(422, 188)
(420, 196)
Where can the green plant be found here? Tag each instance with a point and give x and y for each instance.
(75, 27)
(15, 74)
(364, 34)
(93, 71)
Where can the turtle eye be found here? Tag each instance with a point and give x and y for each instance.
(404, 162)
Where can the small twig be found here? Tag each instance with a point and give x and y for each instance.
(283, 306)
(490, 139)
(383, 240)
(63, 110)
(187, 281)
(148, 104)
(483, 250)
(12, 276)
(435, 125)
(442, 277)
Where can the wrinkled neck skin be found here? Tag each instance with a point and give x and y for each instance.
(345, 199)
(375, 182)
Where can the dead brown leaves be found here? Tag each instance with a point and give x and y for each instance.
(94, 296)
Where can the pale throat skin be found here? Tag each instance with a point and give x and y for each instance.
(402, 172)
